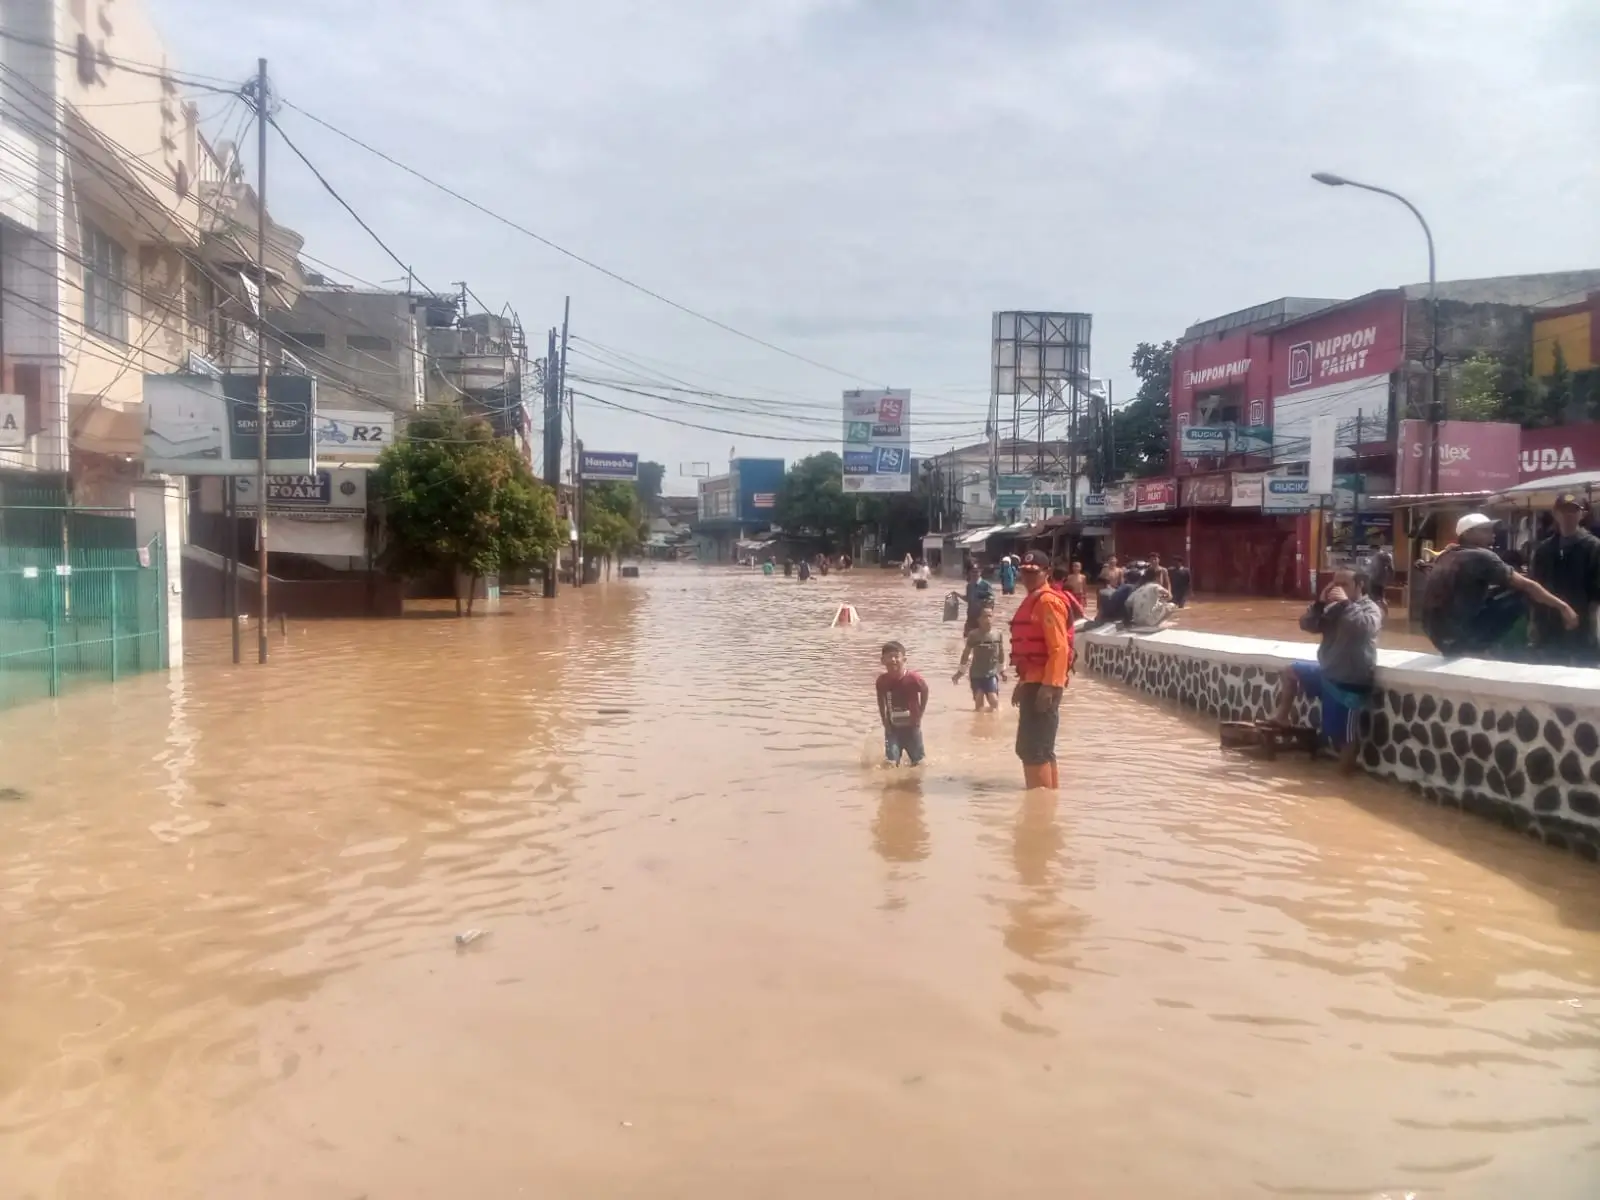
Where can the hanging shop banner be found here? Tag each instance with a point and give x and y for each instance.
(877, 441)
(1288, 494)
(1474, 456)
(350, 435)
(1247, 490)
(603, 464)
(1205, 491)
(1154, 495)
(1195, 441)
(1319, 473)
(1122, 498)
(206, 425)
(1252, 439)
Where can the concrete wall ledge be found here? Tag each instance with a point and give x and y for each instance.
(1396, 668)
(1520, 744)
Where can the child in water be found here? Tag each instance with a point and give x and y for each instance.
(902, 699)
(986, 651)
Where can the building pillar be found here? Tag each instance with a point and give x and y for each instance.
(158, 509)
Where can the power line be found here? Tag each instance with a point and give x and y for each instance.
(572, 254)
(345, 204)
(132, 66)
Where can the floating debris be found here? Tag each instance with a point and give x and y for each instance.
(470, 936)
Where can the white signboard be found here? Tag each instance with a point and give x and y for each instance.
(1361, 409)
(205, 425)
(1247, 491)
(877, 441)
(349, 435)
(1324, 431)
(13, 421)
(1288, 494)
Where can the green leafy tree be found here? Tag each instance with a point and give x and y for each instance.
(456, 498)
(612, 524)
(1142, 428)
(1480, 395)
(649, 487)
(812, 502)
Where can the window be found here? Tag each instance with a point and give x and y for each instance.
(312, 341)
(366, 341)
(105, 304)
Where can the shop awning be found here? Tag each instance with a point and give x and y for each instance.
(1407, 501)
(978, 535)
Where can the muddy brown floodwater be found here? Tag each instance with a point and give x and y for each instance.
(725, 957)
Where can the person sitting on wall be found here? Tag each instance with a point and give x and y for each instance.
(1151, 603)
(1475, 605)
(1112, 606)
(1347, 662)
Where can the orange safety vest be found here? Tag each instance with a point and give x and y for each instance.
(1029, 650)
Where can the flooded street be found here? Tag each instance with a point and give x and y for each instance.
(726, 955)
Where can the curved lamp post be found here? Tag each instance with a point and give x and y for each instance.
(1435, 409)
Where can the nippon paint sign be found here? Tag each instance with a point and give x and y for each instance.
(1350, 343)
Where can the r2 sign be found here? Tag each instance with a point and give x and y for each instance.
(347, 435)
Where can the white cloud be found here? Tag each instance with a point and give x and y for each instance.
(865, 182)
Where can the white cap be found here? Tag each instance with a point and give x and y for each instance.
(1472, 521)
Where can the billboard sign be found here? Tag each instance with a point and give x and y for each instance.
(1288, 494)
(1561, 450)
(1474, 456)
(325, 494)
(207, 425)
(1155, 495)
(877, 440)
(1247, 490)
(13, 421)
(1205, 491)
(349, 435)
(1252, 439)
(1197, 440)
(603, 464)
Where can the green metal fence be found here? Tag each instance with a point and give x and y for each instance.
(75, 604)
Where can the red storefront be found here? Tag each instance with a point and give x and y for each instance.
(1217, 380)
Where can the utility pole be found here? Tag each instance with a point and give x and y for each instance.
(262, 406)
(577, 492)
(552, 450)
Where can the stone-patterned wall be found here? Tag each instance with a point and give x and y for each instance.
(1534, 766)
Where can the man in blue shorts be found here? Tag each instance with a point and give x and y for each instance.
(1347, 662)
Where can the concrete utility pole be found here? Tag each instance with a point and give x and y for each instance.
(577, 492)
(1435, 406)
(552, 451)
(262, 406)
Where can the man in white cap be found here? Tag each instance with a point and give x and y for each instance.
(1474, 601)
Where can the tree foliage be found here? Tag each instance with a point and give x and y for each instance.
(611, 518)
(458, 499)
(1142, 428)
(812, 501)
(649, 488)
(1479, 391)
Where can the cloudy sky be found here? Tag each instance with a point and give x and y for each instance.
(862, 182)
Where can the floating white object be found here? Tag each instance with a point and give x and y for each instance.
(846, 615)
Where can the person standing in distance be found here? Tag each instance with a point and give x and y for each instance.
(1041, 652)
(1567, 564)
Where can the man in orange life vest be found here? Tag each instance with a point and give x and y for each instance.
(1041, 652)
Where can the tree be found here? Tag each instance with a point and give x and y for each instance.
(456, 498)
(649, 488)
(812, 501)
(611, 519)
(1479, 395)
(1142, 428)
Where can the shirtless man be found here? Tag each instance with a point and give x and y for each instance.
(1077, 584)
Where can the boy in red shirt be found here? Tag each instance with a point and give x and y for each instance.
(902, 699)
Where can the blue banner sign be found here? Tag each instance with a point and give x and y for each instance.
(600, 464)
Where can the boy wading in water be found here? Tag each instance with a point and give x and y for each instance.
(902, 699)
(986, 651)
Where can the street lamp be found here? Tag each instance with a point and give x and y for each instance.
(1435, 409)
